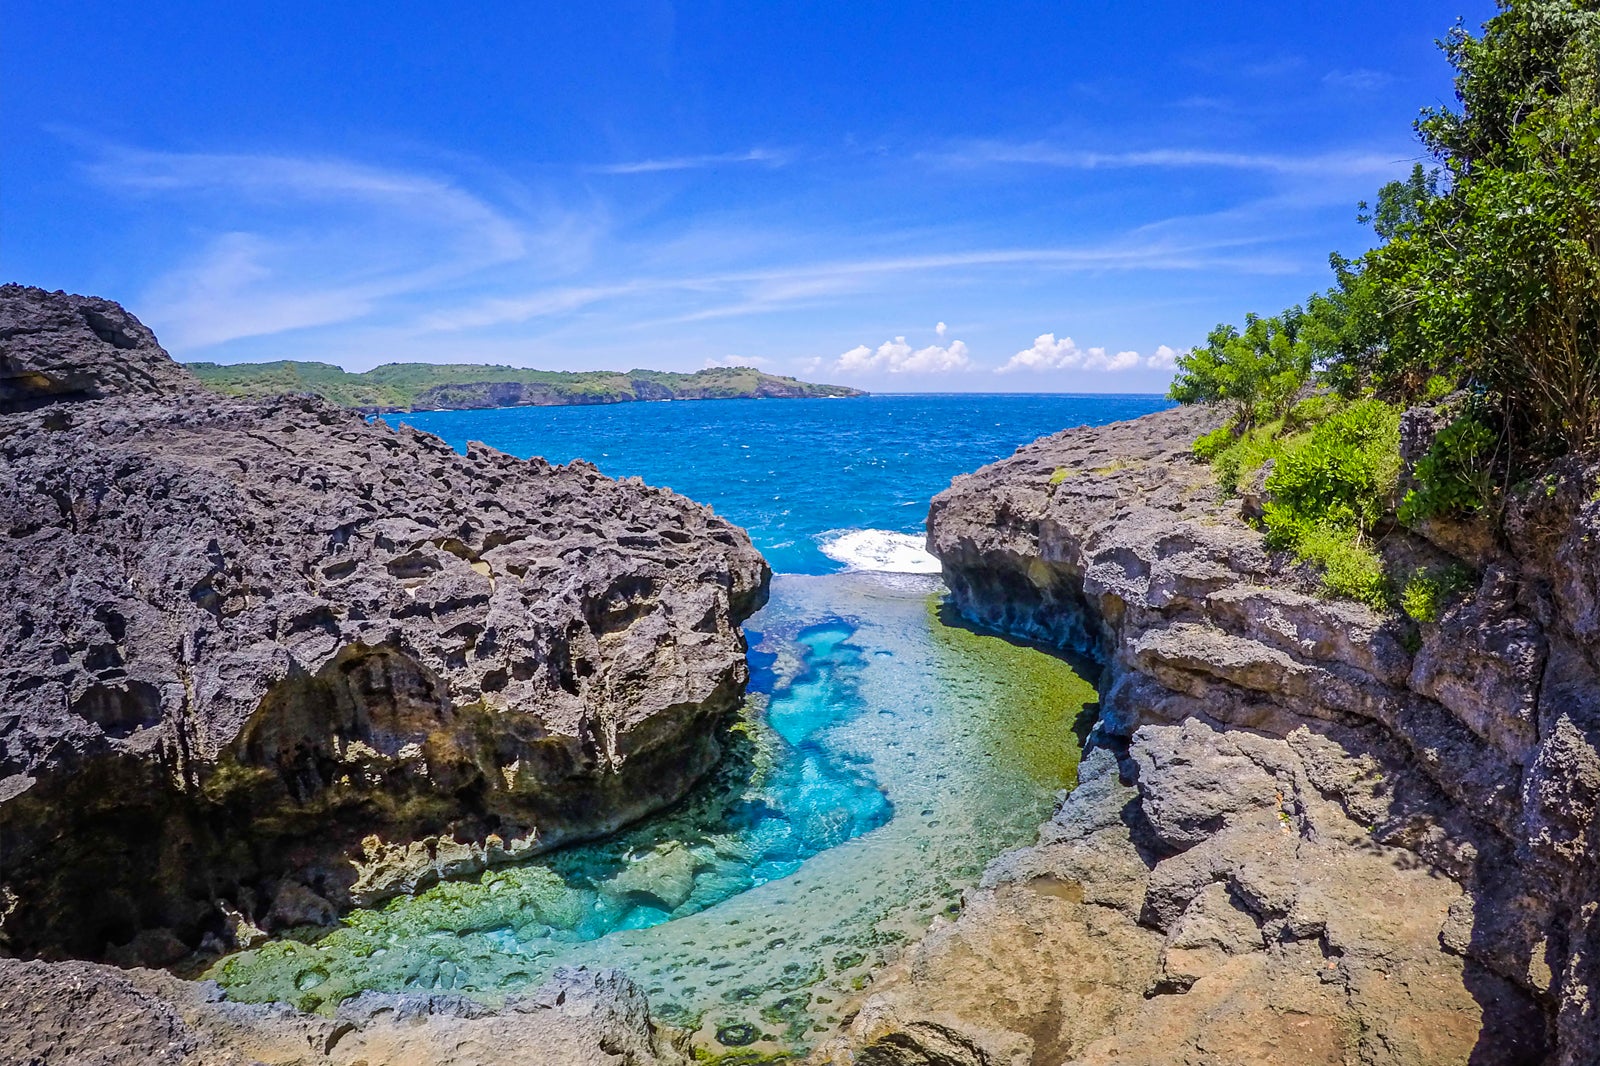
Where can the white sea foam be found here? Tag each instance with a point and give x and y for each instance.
(878, 549)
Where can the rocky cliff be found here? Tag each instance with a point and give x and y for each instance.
(1305, 832)
(265, 659)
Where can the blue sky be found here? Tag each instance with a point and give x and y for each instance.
(902, 196)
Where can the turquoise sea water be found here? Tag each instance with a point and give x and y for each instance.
(884, 757)
(795, 473)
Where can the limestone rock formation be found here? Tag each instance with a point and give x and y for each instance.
(1306, 832)
(266, 659)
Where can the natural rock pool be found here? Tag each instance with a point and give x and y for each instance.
(885, 756)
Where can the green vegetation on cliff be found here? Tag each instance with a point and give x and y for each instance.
(1482, 299)
(430, 386)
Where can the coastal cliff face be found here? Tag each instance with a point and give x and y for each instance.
(265, 660)
(1305, 832)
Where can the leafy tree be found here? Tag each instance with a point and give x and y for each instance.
(1496, 281)
(1256, 373)
(1401, 204)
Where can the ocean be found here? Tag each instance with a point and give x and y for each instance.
(821, 485)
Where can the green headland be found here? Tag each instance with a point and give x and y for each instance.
(462, 386)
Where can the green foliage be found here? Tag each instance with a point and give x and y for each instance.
(1256, 373)
(1311, 410)
(1209, 446)
(1061, 474)
(1494, 282)
(1455, 477)
(1428, 592)
(1349, 565)
(1486, 281)
(1237, 465)
(1436, 388)
(1330, 489)
(1343, 476)
(1336, 466)
(1401, 204)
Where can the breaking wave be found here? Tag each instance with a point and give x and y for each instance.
(878, 549)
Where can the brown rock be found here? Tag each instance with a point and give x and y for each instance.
(1332, 849)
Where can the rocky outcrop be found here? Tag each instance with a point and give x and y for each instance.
(82, 1014)
(267, 659)
(1306, 832)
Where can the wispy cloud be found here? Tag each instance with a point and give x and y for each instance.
(301, 242)
(760, 291)
(693, 162)
(1039, 153)
(273, 179)
(1360, 80)
(424, 263)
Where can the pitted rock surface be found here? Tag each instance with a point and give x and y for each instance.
(268, 659)
(84, 1014)
(1306, 832)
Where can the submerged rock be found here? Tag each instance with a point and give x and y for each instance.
(267, 659)
(1297, 840)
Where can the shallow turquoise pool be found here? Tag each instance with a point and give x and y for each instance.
(884, 759)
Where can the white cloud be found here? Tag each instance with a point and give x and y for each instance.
(1048, 353)
(1163, 358)
(941, 329)
(290, 243)
(898, 357)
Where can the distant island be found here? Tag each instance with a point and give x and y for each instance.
(400, 387)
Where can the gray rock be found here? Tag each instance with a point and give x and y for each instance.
(252, 642)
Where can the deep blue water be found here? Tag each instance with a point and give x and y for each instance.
(795, 473)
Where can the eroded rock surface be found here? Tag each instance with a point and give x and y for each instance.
(83, 1014)
(264, 660)
(1306, 832)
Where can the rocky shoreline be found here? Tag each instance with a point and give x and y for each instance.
(267, 661)
(1305, 832)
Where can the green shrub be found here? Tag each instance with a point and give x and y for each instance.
(1437, 388)
(1236, 467)
(1218, 440)
(1429, 592)
(1455, 477)
(1342, 476)
(1236, 458)
(1329, 491)
(1311, 410)
(1350, 567)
